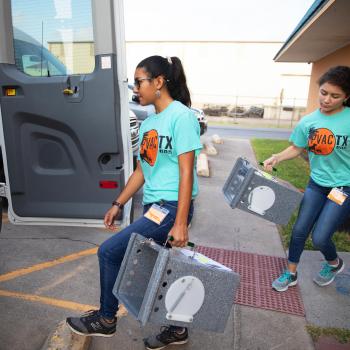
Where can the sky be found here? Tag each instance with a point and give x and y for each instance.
(180, 20)
(61, 19)
(224, 20)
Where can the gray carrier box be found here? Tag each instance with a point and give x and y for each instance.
(165, 286)
(252, 190)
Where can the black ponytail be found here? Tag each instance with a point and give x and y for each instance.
(172, 70)
(339, 76)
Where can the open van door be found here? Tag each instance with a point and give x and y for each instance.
(64, 118)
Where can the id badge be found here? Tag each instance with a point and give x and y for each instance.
(337, 196)
(156, 213)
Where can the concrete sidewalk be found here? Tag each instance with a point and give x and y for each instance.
(238, 230)
(215, 224)
(327, 306)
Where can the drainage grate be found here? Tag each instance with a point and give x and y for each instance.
(257, 273)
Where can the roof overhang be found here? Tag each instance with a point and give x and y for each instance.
(323, 30)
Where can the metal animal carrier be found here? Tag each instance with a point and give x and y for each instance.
(175, 286)
(254, 191)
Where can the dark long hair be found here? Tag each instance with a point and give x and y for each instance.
(172, 70)
(339, 76)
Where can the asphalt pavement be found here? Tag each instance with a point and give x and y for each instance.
(43, 280)
(49, 273)
(249, 132)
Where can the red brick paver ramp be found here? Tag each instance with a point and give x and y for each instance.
(257, 273)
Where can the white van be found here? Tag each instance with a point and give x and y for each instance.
(64, 133)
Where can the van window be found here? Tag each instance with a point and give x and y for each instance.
(53, 37)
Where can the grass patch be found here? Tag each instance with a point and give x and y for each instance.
(296, 171)
(340, 334)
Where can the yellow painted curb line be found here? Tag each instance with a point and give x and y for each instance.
(61, 338)
(70, 305)
(27, 270)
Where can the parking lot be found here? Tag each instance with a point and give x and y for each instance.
(48, 273)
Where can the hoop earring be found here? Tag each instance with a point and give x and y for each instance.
(158, 93)
(345, 101)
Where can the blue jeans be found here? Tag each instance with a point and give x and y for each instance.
(320, 215)
(111, 252)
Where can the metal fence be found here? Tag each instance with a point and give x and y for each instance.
(269, 111)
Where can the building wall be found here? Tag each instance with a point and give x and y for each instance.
(221, 73)
(231, 73)
(340, 57)
(78, 57)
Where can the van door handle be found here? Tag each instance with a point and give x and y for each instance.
(68, 92)
(71, 90)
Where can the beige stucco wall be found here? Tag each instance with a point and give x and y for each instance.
(339, 57)
(231, 73)
(78, 57)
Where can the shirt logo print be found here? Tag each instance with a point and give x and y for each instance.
(149, 147)
(321, 141)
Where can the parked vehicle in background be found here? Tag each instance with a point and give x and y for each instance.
(241, 112)
(202, 119)
(142, 112)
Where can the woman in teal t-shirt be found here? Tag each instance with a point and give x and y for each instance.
(325, 133)
(169, 143)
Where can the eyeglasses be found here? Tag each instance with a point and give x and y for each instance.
(137, 82)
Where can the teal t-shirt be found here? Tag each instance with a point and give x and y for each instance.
(163, 137)
(327, 139)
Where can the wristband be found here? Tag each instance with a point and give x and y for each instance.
(117, 204)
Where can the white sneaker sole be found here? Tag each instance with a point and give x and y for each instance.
(292, 284)
(90, 334)
(181, 342)
(320, 284)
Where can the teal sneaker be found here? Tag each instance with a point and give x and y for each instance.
(327, 274)
(287, 279)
